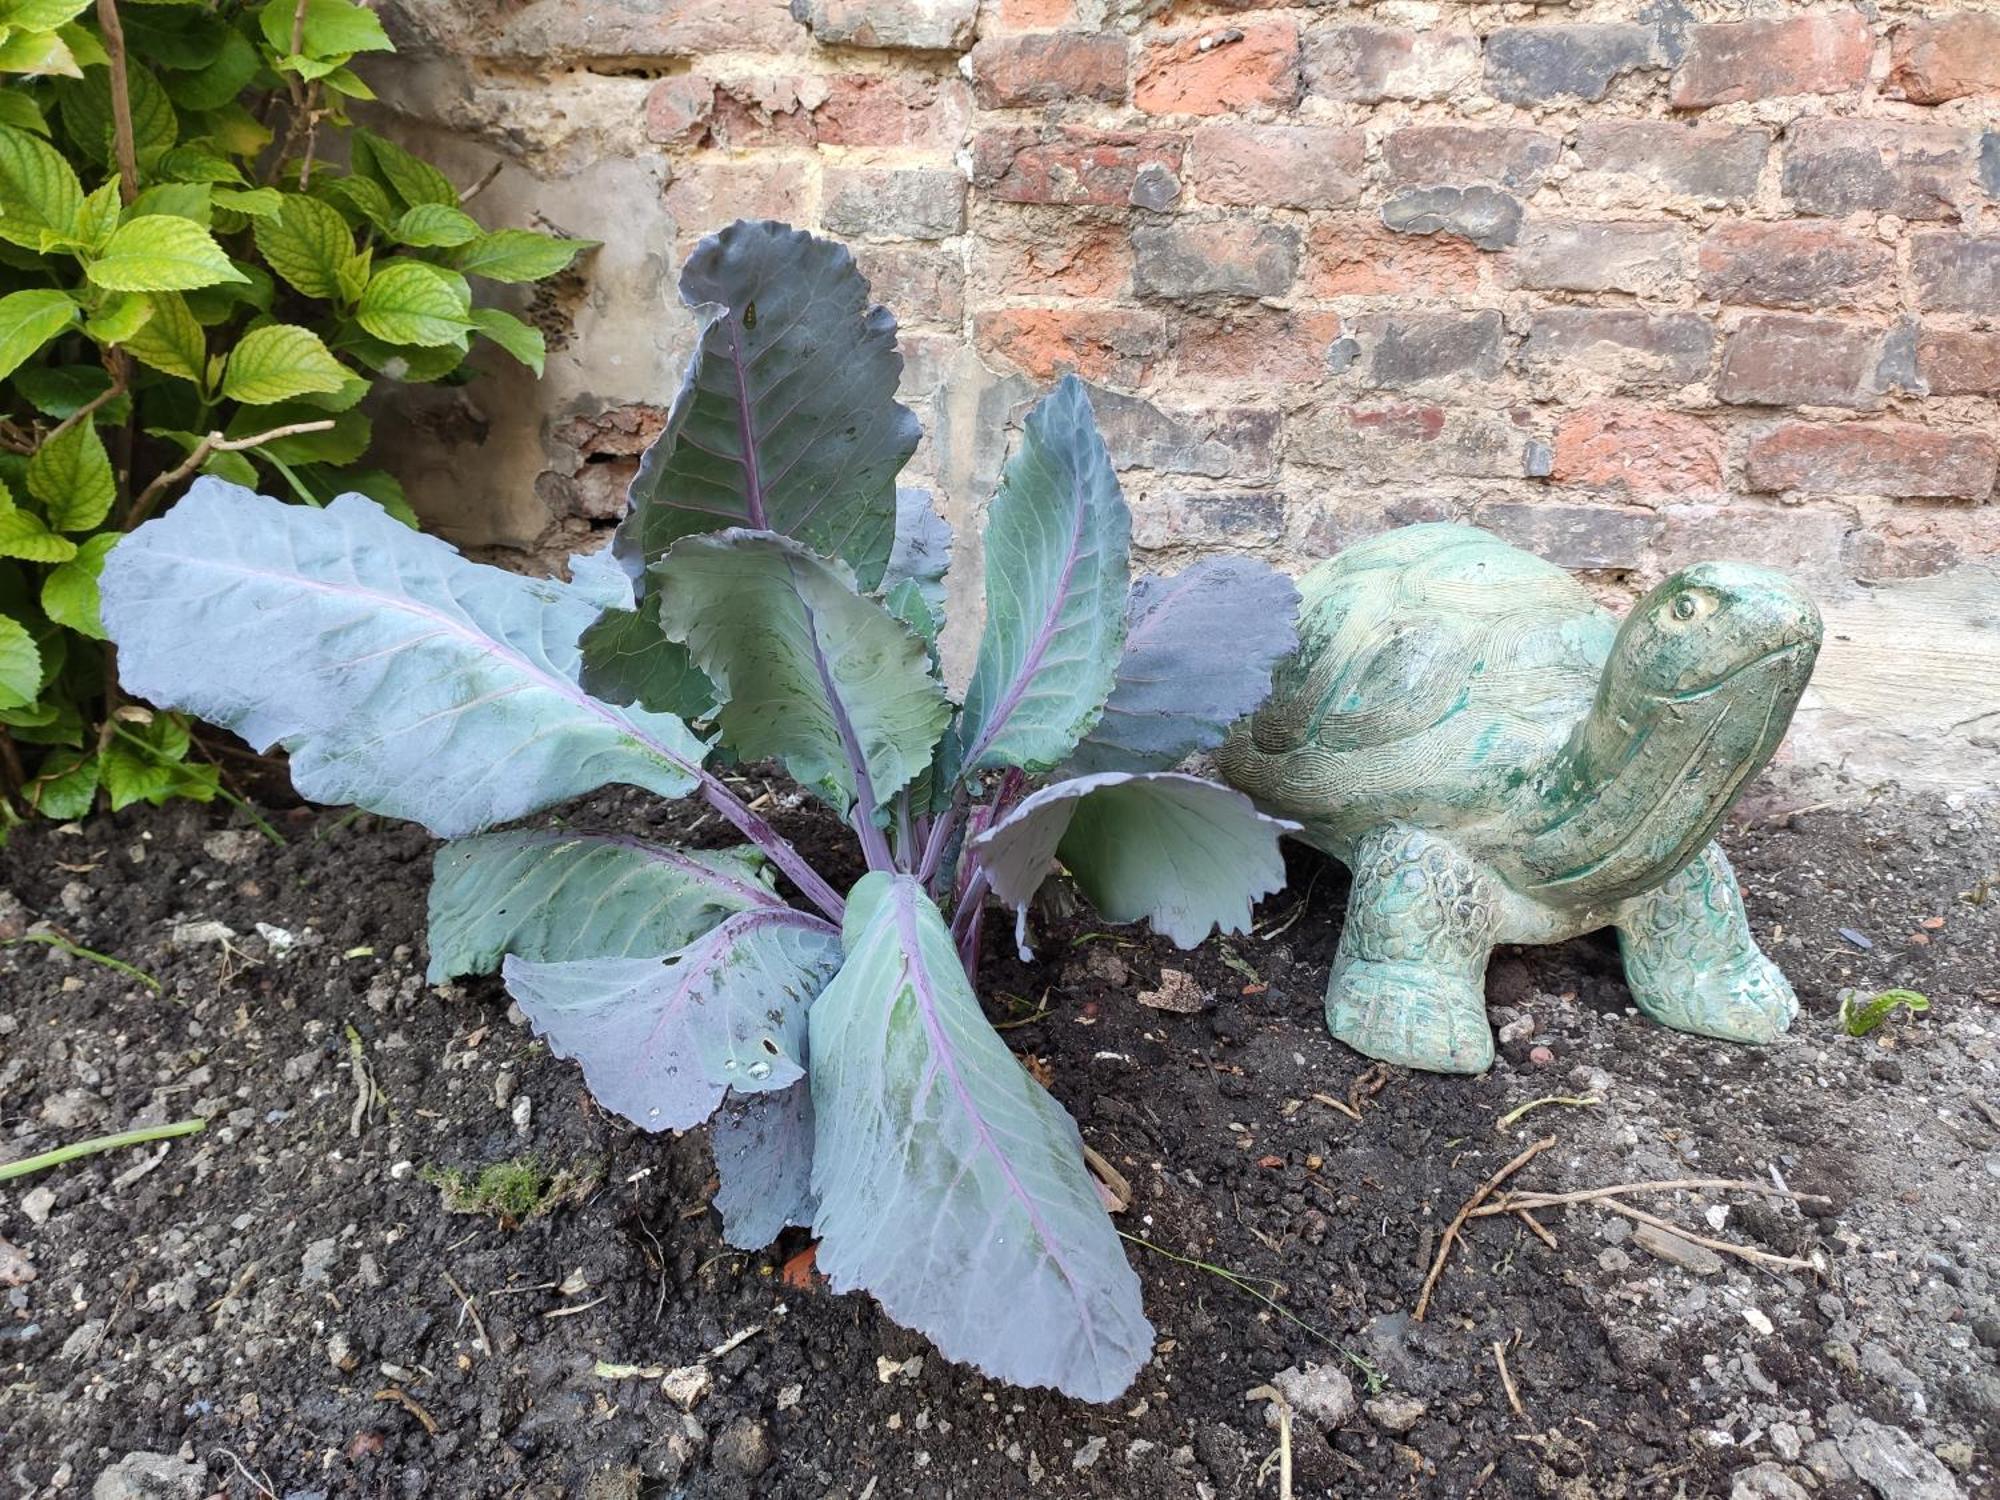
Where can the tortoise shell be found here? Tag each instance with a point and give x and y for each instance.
(1438, 670)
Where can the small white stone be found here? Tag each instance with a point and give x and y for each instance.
(686, 1385)
(1757, 1320)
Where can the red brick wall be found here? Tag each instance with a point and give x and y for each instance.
(1631, 282)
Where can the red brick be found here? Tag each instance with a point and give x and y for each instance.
(678, 109)
(1070, 166)
(1757, 60)
(889, 109)
(1956, 272)
(1959, 364)
(1779, 361)
(1049, 67)
(1264, 344)
(1500, 155)
(1898, 459)
(1238, 518)
(1596, 538)
(919, 203)
(918, 283)
(1221, 69)
(1043, 251)
(1277, 166)
(1035, 15)
(1638, 449)
(1621, 347)
(1946, 57)
(1372, 63)
(704, 196)
(1840, 166)
(1357, 256)
(1118, 345)
(913, 25)
(1397, 441)
(1801, 265)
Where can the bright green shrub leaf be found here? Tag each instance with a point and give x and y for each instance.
(171, 341)
(277, 362)
(255, 203)
(347, 83)
(99, 215)
(364, 198)
(20, 664)
(408, 177)
(215, 305)
(29, 320)
(517, 255)
(161, 253)
(23, 535)
(236, 130)
(354, 272)
(197, 162)
(522, 340)
(121, 317)
(408, 302)
(147, 763)
(37, 54)
(83, 45)
(186, 200)
(331, 28)
(20, 112)
(306, 243)
(340, 444)
(435, 226)
(403, 363)
(40, 15)
(69, 593)
(352, 388)
(71, 475)
(39, 193)
(217, 84)
(65, 785)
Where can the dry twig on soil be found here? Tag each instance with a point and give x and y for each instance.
(1284, 1454)
(1458, 1221)
(1507, 1377)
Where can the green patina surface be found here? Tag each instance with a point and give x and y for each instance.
(1501, 761)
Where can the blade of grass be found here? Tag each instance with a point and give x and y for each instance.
(77, 950)
(141, 1137)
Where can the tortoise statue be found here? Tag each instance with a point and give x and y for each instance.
(1498, 760)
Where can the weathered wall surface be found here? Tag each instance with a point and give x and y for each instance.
(1631, 282)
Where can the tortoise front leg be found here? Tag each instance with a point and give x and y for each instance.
(1409, 982)
(1692, 962)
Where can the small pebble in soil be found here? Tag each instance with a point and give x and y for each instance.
(744, 1448)
(1088, 1454)
(1393, 1411)
(1320, 1393)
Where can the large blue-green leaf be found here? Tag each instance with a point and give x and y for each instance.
(401, 677)
(548, 895)
(763, 1157)
(661, 1039)
(1058, 542)
(1199, 651)
(627, 660)
(788, 419)
(1185, 854)
(922, 551)
(808, 670)
(950, 1184)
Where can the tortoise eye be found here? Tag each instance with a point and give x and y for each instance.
(1684, 607)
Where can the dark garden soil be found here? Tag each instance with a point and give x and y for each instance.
(275, 1306)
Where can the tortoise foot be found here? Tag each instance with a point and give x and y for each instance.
(1693, 964)
(1745, 1000)
(1410, 1014)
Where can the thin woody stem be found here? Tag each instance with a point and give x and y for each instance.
(121, 101)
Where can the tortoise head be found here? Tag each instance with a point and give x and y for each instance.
(1697, 693)
(1724, 648)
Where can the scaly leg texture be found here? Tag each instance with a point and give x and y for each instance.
(1692, 963)
(1409, 982)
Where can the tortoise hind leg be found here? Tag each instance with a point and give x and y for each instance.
(1692, 963)
(1408, 984)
